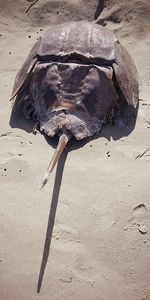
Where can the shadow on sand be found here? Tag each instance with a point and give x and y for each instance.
(99, 9)
(51, 219)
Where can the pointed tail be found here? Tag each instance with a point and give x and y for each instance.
(63, 140)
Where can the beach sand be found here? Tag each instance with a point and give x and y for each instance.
(86, 235)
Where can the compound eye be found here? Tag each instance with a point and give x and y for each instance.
(58, 84)
(65, 111)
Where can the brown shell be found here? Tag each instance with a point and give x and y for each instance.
(90, 41)
(84, 42)
(126, 75)
(25, 70)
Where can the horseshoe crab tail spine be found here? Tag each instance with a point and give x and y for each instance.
(63, 140)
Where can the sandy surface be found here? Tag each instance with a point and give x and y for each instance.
(100, 203)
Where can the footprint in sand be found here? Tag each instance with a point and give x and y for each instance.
(91, 271)
(138, 219)
(139, 210)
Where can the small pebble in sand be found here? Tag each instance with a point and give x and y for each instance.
(66, 279)
(143, 229)
(29, 36)
(108, 153)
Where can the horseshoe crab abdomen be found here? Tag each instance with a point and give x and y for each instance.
(82, 109)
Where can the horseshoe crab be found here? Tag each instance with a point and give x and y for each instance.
(73, 81)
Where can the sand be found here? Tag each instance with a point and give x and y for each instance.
(87, 234)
